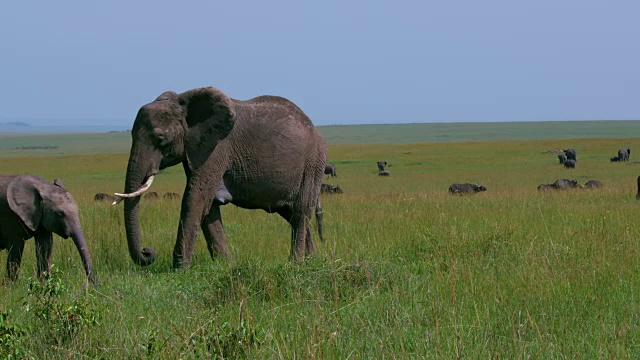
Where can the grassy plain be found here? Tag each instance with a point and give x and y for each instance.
(406, 270)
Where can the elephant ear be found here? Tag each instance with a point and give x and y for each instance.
(210, 117)
(24, 199)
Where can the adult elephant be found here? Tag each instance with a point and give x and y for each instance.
(330, 169)
(32, 207)
(262, 153)
(623, 154)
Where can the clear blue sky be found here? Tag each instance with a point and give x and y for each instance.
(343, 62)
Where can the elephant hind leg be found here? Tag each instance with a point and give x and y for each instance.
(213, 230)
(299, 231)
(14, 259)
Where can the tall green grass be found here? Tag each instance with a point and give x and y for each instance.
(406, 270)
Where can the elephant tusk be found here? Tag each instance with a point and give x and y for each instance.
(142, 189)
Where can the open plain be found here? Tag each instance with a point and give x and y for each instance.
(406, 270)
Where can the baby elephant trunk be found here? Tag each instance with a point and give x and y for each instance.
(81, 245)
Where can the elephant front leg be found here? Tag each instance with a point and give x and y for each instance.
(44, 249)
(191, 217)
(213, 230)
(14, 258)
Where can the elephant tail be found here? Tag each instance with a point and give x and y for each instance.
(319, 218)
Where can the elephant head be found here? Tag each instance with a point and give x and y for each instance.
(43, 206)
(174, 128)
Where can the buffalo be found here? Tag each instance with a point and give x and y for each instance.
(330, 169)
(593, 184)
(570, 164)
(171, 196)
(546, 187)
(615, 159)
(571, 154)
(103, 196)
(623, 154)
(460, 189)
(565, 184)
(384, 173)
(330, 189)
(152, 195)
(562, 158)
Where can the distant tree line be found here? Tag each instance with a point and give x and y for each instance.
(37, 147)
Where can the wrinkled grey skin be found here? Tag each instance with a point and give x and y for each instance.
(32, 207)
(330, 169)
(570, 164)
(262, 153)
(381, 165)
(103, 197)
(562, 158)
(151, 195)
(623, 154)
(615, 159)
(384, 173)
(592, 184)
(330, 189)
(565, 184)
(171, 196)
(459, 189)
(571, 154)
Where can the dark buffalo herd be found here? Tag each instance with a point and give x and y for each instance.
(461, 189)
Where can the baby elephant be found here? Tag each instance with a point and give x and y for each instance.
(384, 173)
(330, 189)
(614, 159)
(460, 189)
(32, 207)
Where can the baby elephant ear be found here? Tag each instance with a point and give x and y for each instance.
(25, 200)
(210, 117)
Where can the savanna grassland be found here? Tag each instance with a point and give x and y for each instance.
(406, 270)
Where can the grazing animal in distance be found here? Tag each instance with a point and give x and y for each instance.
(467, 188)
(384, 173)
(565, 184)
(330, 169)
(570, 164)
(571, 154)
(330, 189)
(593, 184)
(546, 187)
(171, 196)
(152, 195)
(562, 158)
(381, 165)
(103, 196)
(623, 154)
(638, 194)
(615, 159)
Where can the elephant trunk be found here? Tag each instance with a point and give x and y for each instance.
(134, 180)
(81, 245)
